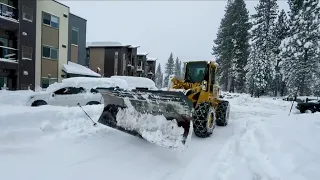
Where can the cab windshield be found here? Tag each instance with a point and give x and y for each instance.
(195, 72)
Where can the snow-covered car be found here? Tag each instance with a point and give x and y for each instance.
(66, 96)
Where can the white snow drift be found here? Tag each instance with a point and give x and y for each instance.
(261, 142)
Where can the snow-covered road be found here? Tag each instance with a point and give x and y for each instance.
(261, 142)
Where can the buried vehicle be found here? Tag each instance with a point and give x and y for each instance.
(198, 109)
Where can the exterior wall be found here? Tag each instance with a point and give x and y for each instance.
(77, 53)
(143, 59)
(27, 44)
(123, 61)
(20, 37)
(97, 59)
(110, 63)
(55, 37)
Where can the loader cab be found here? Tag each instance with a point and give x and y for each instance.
(196, 72)
(200, 71)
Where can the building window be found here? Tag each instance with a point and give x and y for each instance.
(45, 81)
(49, 52)
(50, 20)
(26, 53)
(75, 36)
(27, 14)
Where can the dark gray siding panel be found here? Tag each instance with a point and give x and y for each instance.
(27, 38)
(81, 24)
(109, 60)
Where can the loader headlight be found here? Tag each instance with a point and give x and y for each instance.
(204, 85)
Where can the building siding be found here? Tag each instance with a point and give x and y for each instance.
(59, 10)
(97, 57)
(79, 51)
(27, 34)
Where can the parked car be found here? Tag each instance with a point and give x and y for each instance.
(312, 106)
(66, 96)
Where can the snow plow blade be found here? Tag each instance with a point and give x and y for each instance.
(160, 117)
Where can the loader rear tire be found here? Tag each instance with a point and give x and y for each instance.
(222, 113)
(204, 120)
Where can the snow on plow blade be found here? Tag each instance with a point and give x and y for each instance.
(160, 117)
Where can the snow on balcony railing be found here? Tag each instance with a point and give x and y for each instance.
(8, 12)
(8, 54)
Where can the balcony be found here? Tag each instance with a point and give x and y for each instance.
(139, 68)
(8, 54)
(9, 18)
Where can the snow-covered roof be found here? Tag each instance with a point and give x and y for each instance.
(134, 46)
(152, 59)
(105, 44)
(142, 53)
(74, 68)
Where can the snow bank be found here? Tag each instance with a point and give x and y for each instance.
(18, 97)
(136, 82)
(155, 129)
(21, 125)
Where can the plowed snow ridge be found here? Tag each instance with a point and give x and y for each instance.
(260, 142)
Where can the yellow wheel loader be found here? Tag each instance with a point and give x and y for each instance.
(168, 117)
(201, 87)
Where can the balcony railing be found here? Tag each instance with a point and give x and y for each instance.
(8, 54)
(8, 12)
(139, 68)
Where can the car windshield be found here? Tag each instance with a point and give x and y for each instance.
(195, 72)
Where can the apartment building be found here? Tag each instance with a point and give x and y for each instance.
(150, 68)
(77, 40)
(52, 41)
(141, 63)
(17, 43)
(37, 38)
(112, 58)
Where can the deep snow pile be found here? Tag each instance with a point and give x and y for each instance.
(155, 129)
(14, 97)
(27, 125)
(137, 82)
(261, 142)
(87, 83)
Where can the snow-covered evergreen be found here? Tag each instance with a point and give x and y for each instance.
(301, 49)
(232, 46)
(183, 70)
(169, 70)
(263, 58)
(223, 48)
(280, 32)
(159, 76)
(177, 68)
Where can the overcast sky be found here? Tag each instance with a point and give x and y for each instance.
(185, 28)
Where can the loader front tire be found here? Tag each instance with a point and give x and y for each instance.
(204, 120)
(222, 113)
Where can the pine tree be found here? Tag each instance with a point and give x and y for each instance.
(159, 77)
(223, 47)
(169, 70)
(280, 32)
(301, 49)
(263, 42)
(241, 27)
(231, 46)
(183, 70)
(177, 68)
